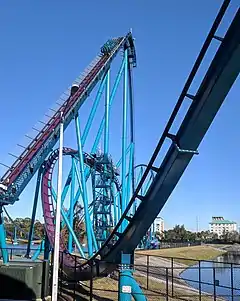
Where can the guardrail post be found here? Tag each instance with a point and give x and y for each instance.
(91, 283)
(199, 278)
(214, 284)
(61, 280)
(147, 272)
(232, 284)
(167, 284)
(172, 276)
(75, 274)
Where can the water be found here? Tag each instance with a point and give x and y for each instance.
(225, 277)
(20, 250)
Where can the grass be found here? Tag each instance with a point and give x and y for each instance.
(186, 255)
(106, 289)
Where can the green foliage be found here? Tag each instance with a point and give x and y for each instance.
(23, 227)
(180, 234)
(231, 237)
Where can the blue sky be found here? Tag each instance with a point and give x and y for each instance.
(46, 44)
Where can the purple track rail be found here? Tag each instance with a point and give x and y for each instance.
(47, 205)
(25, 158)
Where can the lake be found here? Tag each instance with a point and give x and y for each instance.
(226, 273)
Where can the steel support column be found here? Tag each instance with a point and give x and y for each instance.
(3, 245)
(35, 201)
(124, 136)
(128, 286)
(70, 238)
(84, 188)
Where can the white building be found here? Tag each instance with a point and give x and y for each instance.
(219, 225)
(158, 225)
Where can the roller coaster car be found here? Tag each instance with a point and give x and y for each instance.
(3, 187)
(74, 89)
(108, 47)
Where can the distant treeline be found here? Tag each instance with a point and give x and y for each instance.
(179, 234)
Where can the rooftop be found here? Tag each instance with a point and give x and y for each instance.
(225, 221)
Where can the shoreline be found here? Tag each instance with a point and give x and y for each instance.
(158, 264)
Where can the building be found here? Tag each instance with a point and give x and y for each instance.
(219, 225)
(158, 225)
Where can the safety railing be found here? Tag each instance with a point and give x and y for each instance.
(162, 278)
(20, 252)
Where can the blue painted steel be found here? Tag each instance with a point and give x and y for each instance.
(88, 212)
(107, 109)
(101, 127)
(124, 136)
(34, 209)
(109, 46)
(3, 245)
(113, 93)
(127, 151)
(38, 251)
(115, 205)
(66, 186)
(137, 293)
(93, 110)
(216, 84)
(70, 229)
(129, 177)
(47, 248)
(125, 274)
(132, 134)
(84, 188)
(119, 206)
(38, 159)
(128, 286)
(71, 205)
(102, 181)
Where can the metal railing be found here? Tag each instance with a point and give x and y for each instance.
(162, 278)
(17, 252)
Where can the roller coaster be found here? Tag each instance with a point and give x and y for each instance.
(118, 201)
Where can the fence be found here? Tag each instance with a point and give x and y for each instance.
(20, 251)
(161, 278)
(166, 245)
(164, 278)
